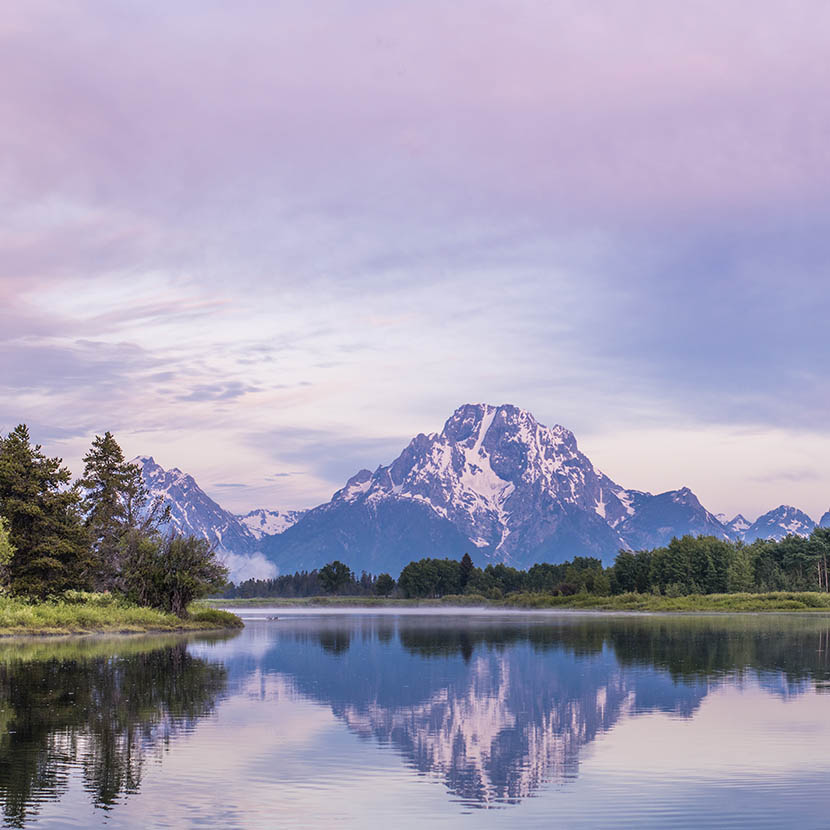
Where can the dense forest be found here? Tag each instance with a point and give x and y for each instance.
(101, 533)
(689, 565)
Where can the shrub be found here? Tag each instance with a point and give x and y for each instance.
(170, 573)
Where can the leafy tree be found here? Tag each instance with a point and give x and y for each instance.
(820, 545)
(430, 578)
(170, 572)
(335, 576)
(44, 520)
(740, 571)
(384, 585)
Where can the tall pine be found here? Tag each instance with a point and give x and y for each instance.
(115, 500)
(42, 512)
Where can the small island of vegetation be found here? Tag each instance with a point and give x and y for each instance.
(91, 556)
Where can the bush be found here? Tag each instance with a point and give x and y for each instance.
(170, 573)
(98, 600)
(676, 589)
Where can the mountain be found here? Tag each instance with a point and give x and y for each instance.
(735, 527)
(738, 526)
(493, 482)
(656, 519)
(778, 523)
(194, 513)
(263, 522)
(825, 520)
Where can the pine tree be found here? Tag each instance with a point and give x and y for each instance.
(6, 552)
(44, 521)
(466, 571)
(115, 500)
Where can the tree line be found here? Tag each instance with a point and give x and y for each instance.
(687, 565)
(334, 578)
(103, 532)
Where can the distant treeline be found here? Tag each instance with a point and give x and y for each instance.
(303, 584)
(688, 565)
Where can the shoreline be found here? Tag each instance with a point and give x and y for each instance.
(105, 615)
(778, 601)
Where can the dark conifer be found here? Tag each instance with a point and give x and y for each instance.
(115, 500)
(44, 520)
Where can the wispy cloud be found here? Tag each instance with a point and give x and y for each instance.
(281, 238)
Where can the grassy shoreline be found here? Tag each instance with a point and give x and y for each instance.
(786, 601)
(102, 614)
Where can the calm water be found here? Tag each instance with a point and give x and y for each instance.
(366, 720)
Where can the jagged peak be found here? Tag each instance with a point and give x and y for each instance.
(358, 484)
(473, 421)
(783, 510)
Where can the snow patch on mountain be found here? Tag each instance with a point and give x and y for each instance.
(262, 522)
(518, 491)
(778, 523)
(194, 513)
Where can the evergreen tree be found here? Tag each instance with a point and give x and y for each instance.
(44, 520)
(466, 570)
(106, 478)
(115, 501)
(6, 552)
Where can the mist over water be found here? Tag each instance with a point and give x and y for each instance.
(319, 719)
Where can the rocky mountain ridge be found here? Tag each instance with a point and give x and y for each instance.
(494, 482)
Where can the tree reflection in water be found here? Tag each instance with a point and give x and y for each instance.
(97, 707)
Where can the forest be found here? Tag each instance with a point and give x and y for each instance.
(103, 533)
(690, 565)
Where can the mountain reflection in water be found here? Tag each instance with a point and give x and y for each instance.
(492, 707)
(497, 707)
(100, 707)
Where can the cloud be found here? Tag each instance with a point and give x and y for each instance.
(219, 392)
(614, 215)
(332, 456)
(247, 566)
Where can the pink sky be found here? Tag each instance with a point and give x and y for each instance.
(269, 244)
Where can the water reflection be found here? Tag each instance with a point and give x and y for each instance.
(496, 708)
(492, 708)
(98, 708)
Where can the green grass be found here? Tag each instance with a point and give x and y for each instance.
(87, 613)
(775, 601)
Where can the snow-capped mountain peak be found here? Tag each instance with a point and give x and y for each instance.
(483, 468)
(736, 526)
(194, 513)
(262, 522)
(496, 482)
(780, 522)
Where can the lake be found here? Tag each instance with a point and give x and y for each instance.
(320, 720)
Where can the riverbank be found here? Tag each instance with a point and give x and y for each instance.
(100, 613)
(773, 601)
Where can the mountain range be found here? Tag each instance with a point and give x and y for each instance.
(494, 482)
